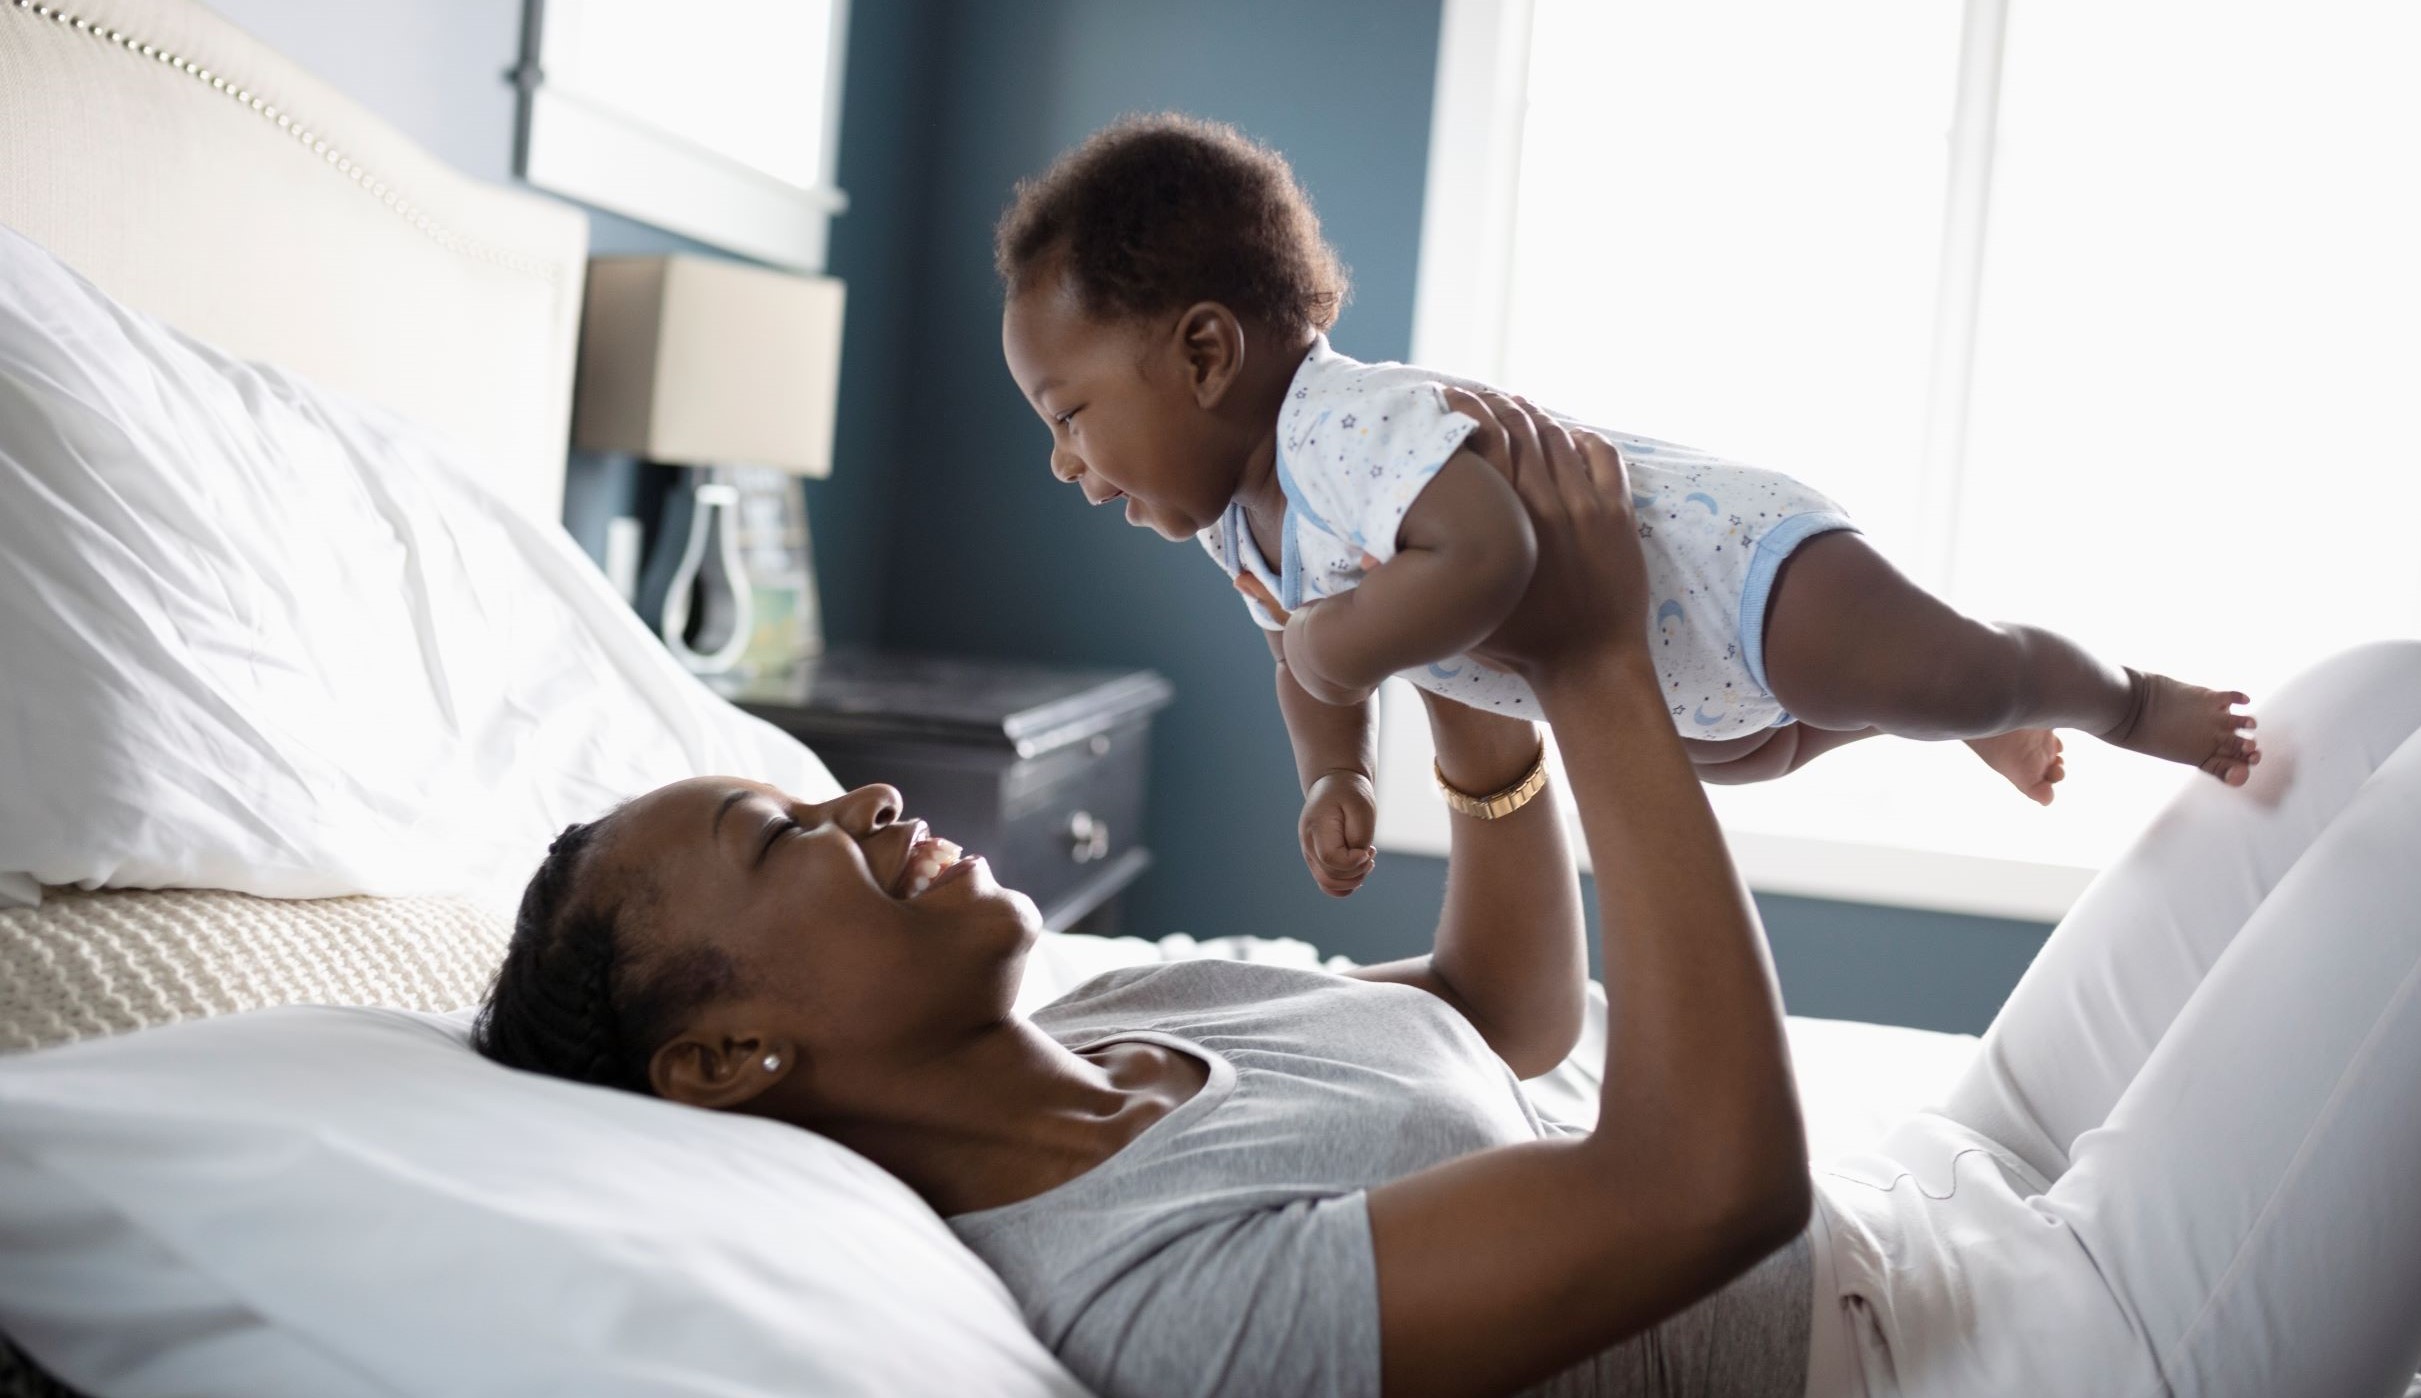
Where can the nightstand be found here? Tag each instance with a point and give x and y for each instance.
(1038, 768)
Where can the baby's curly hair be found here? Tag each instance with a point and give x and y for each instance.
(1153, 213)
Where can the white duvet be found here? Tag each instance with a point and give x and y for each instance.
(256, 636)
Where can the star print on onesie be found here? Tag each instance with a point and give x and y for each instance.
(1358, 442)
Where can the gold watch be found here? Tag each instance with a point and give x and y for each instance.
(1500, 804)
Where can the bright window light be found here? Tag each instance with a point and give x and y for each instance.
(753, 91)
(2192, 439)
(2188, 438)
(715, 119)
(1727, 227)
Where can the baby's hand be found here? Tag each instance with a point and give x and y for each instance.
(1339, 813)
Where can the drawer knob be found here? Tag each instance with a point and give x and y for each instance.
(1088, 839)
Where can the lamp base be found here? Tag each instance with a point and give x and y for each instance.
(709, 608)
(776, 550)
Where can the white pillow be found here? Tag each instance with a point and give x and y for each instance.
(327, 1202)
(256, 636)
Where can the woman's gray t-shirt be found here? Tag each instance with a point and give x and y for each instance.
(1226, 1250)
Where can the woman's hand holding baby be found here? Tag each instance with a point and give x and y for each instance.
(1584, 599)
(1588, 592)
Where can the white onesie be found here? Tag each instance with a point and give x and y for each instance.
(1357, 442)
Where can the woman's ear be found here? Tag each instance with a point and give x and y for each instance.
(1212, 340)
(719, 1071)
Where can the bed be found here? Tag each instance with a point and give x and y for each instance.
(178, 170)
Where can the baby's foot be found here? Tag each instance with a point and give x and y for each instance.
(2187, 723)
(2029, 758)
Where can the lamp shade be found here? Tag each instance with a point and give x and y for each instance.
(695, 361)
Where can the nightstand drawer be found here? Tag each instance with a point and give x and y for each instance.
(1068, 815)
(1040, 770)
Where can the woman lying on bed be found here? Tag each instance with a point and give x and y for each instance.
(2184, 1157)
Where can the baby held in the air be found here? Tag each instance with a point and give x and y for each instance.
(1168, 291)
(1358, 444)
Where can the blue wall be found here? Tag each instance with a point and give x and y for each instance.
(1346, 96)
(940, 528)
(990, 556)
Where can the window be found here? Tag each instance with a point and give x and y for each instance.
(717, 119)
(2098, 316)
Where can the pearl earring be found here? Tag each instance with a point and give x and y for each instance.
(773, 1062)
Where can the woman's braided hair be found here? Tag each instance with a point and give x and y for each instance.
(574, 998)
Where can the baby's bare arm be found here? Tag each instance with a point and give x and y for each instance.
(1512, 948)
(1328, 739)
(1463, 558)
(1336, 755)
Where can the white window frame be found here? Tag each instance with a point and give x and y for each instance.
(1459, 326)
(575, 145)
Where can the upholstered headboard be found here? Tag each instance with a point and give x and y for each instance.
(196, 175)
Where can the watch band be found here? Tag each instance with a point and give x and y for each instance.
(1499, 804)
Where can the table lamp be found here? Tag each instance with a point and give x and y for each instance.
(730, 370)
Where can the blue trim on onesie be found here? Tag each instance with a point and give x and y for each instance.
(1290, 549)
(1295, 499)
(1758, 587)
(1290, 569)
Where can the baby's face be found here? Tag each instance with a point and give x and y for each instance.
(1124, 420)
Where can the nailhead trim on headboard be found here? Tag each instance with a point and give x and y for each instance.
(311, 140)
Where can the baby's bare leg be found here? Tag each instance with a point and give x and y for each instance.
(1851, 642)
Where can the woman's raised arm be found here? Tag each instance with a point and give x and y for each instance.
(1503, 1267)
(1511, 950)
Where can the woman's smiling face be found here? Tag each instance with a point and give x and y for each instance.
(851, 928)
